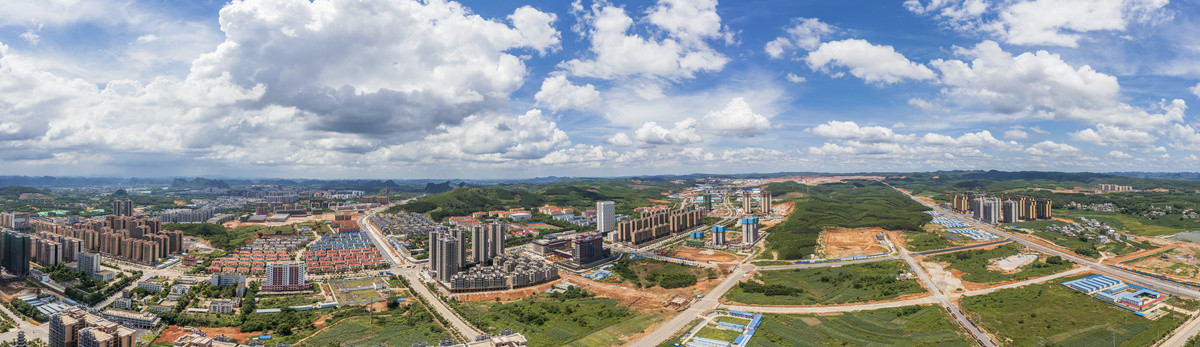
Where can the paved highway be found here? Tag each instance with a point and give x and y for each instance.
(1184, 333)
(1155, 283)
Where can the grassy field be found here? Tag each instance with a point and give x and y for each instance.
(546, 320)
(912, 325)
(646, 273)
(712, 332)
(829, 285)
(975, 264)
(614, 334)
(926, 241)
(404, 330)
(281, 301)
(1024, 316)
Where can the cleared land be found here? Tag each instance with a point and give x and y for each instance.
(1182, 263)
(1023, 316)
(977, 264)
(839, 242)
(912, 325)
(827, 286)
(703, 255)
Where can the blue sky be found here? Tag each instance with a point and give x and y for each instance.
(502, 89)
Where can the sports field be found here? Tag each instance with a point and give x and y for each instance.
(827, 286)
(1025, 316)
(912, 325)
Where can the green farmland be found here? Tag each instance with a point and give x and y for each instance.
(1051, 313)
(903, 326)
(402, 328)
(827, 285)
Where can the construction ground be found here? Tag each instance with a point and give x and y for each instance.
(837, 242)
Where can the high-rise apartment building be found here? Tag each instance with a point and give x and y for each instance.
(88, 263)
(18, 251)
(718, 232)
(285, 276)
(47, 252)
(747, 202)
(487, 241)
(1010, 212)
(445, 255)
(766, 202)
(75, 327)
(14, 220)
(991, 210)
(122, 208)
(657, 224)
(588, 248)
(606, 217)
(749, 230)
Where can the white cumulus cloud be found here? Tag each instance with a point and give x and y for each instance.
(872, 63)
(735, 119)
(558, 93)
(805, 33)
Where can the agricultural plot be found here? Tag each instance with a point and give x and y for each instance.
(620, 333)
(827, 286)
(912, 325)
(549, 320)
(398, 329)
(979, 267)
(1027, 315)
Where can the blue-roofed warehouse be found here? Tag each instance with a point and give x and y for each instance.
(1093, 284)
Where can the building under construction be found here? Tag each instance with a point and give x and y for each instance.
(658, 224)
